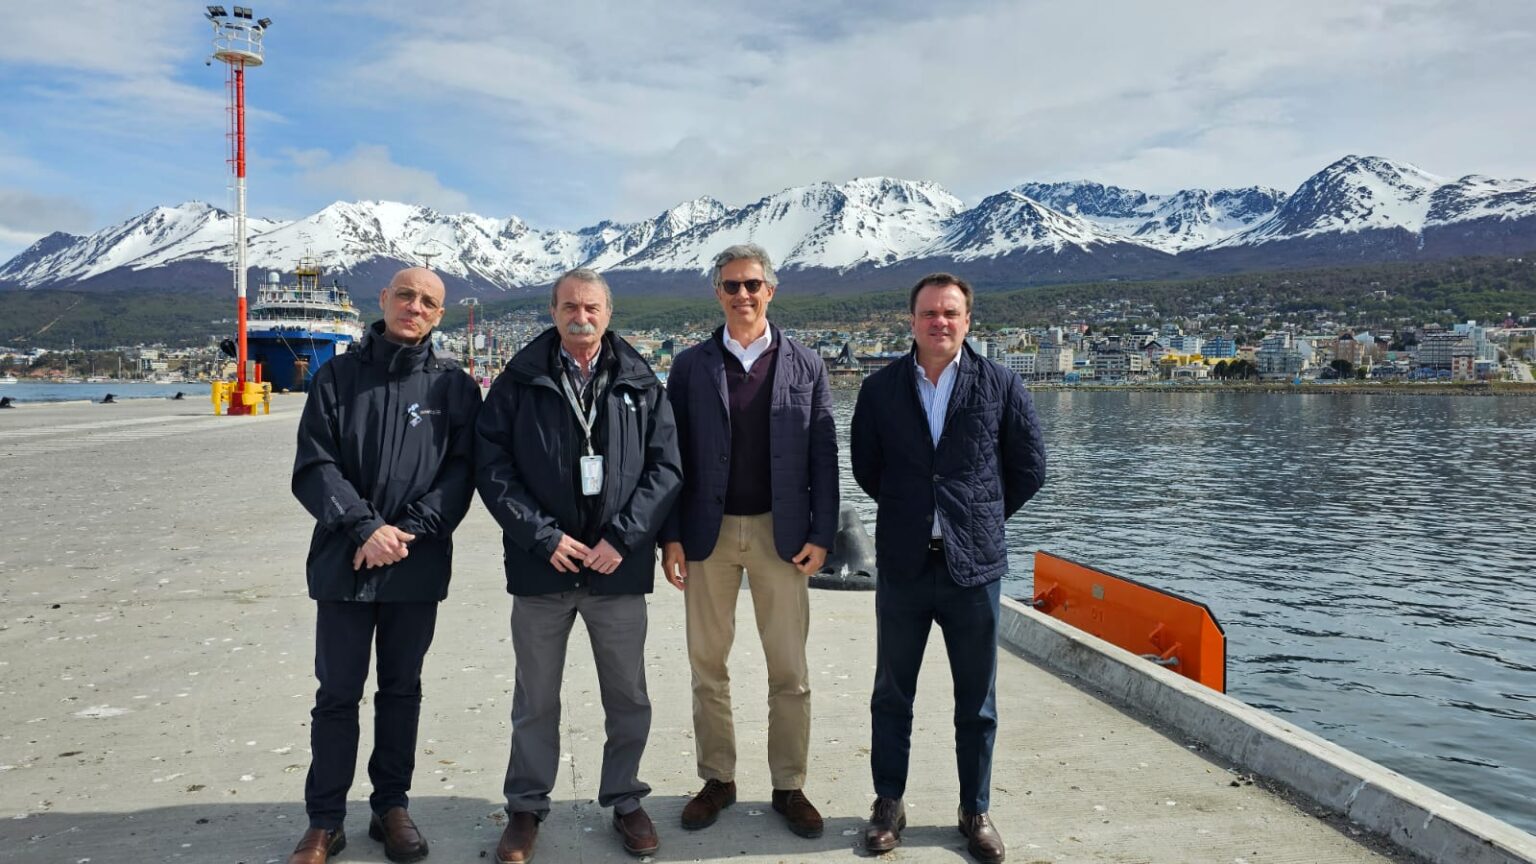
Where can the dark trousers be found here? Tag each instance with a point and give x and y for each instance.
(344, 633)
(904, 614)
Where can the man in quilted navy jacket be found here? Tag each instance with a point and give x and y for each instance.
(948, 445)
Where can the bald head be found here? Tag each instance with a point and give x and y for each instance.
(412, 304)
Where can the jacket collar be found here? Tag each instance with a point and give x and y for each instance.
(712, 355)
(531, 365)
(398, 359)
(968, 362)
(965, 376)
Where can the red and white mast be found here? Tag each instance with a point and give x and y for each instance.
(237, 44)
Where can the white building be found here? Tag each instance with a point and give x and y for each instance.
(1024, 364)
(1054, 359)
(1185, 344)
(1280, 356)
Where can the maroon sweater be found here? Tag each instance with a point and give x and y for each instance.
(750, 488)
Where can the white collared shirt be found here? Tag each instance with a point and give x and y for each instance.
(748, 354)
(935, 399)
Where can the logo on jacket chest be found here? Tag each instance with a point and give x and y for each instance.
(416, 412)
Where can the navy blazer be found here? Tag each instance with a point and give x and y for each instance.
(990, 459)
(802, 444)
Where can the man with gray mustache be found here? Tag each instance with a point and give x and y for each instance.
(577, 460)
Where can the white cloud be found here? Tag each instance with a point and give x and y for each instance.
(368, 172)
(105, 36)
(739, 100)
(112, 66)
(583, 110)
(26, 217)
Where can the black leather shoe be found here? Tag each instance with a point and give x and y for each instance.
(886, 819)
(985, 845)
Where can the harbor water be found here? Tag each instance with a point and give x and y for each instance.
(1370, 558)
(31, 392)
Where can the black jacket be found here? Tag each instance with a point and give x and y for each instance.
(527, 453)
(990, 459)
(802, 440)
(387, 437)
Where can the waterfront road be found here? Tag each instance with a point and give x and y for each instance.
(156, 677)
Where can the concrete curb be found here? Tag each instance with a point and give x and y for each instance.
(1407, 813)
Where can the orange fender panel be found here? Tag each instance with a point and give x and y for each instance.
(1172, 631)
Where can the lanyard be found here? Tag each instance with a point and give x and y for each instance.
(589, 417)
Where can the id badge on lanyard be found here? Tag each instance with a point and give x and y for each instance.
(591, 466)
(591, 475)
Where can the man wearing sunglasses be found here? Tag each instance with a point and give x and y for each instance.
(754, 420)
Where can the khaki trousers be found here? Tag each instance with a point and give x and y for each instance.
(781, 602)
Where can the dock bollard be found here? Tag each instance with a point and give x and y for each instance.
(851, 562)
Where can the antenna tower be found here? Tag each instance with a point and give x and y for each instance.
(237, 43)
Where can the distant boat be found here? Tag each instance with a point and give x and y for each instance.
(9, 379)
(295, 329)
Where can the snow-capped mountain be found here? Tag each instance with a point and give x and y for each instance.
(1172, 223)
(161, 236)
(868, 221)
(843, 236)
(636, 238)
(1011, 222)
(1477, 197)
(1356, 193)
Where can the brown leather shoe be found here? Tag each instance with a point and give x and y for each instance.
(638, 831)
(886, 819)
(516, 846)
(798, 811)
(403, 843)
(318, 844)
(705, 807)
(985, 845)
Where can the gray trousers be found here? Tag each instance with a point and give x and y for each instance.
(541, 628)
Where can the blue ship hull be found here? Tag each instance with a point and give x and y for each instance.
(278, 352)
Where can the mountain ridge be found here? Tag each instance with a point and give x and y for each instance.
(838, 236)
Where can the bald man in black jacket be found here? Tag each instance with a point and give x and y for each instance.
(385, 464)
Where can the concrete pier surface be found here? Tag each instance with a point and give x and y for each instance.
(156, 672)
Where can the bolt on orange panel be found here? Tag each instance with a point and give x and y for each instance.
(1172, 631)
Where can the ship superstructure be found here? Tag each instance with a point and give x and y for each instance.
(295, 328)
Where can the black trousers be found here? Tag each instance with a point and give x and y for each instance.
(905, 612)
(344, 634)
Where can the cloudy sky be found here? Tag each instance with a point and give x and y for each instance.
(567, 113)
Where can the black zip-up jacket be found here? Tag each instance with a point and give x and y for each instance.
(527, 451)
(387, 437)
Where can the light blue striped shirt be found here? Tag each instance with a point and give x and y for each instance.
(936, 405)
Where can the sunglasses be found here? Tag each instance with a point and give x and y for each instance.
(753, 286)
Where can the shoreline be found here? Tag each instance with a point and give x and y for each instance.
(1501, 388)
(1369, 388)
